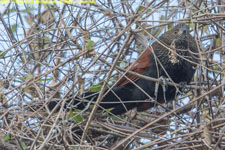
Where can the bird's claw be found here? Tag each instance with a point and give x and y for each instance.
(163, 82)
(164, 86)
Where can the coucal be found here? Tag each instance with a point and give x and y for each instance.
(177, 64)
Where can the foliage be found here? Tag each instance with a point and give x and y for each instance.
(52, 51)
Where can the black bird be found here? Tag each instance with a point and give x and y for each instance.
(177, 64)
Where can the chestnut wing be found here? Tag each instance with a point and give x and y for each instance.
(140, 66)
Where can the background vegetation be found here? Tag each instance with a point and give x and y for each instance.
(50, 51)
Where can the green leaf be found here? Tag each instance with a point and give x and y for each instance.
(114, 117)
(217, 68)
(46, 40)
(23, 145)
(2, 54)
(170, 26)
(46, 79)
(122, 64)
(162, 18)
(218, 42)
(76, 117)
(7, 138)
(29, 76)
(191, 25)
(140, 8)
(139, 48)
(96, 88)
(193, 20)
(90, 44)
(13, 28)
(28, 87)
(157, 31)
(205, 30)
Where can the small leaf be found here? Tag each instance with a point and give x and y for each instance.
(96, 88)
(23, 145)
(76, 117)
(7, 138)
(13, 28)
(2, 54)
(157, 31)
(90, 44)
(162, 18)
(218, 42)
(193, 20)
(205, 29)
(139, 48)
(114, 117)
(29, 76)
(140, 8)
(217, 68)
(36, 56)
(47, 79)
(122, 64)
(170, 26)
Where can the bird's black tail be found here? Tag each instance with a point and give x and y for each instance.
(115, 98)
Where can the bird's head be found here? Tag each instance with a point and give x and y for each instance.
(179, 33)
(180, 40)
